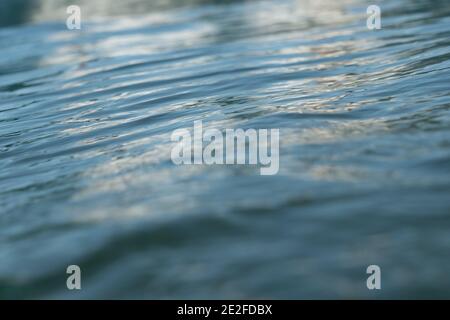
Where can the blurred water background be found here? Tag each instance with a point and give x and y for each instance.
(85, 170)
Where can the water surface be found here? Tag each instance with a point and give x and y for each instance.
(85, 171)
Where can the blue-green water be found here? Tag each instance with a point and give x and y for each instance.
(86, 176)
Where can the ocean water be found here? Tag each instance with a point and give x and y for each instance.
(86, 177)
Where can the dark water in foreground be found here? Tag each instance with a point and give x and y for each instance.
(86, 176)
